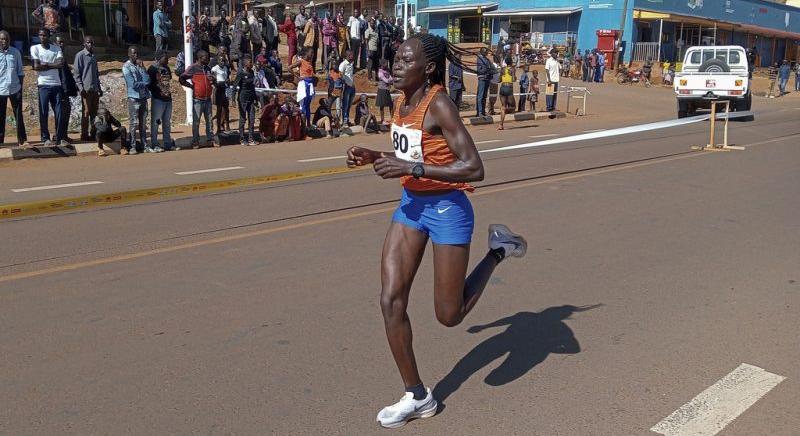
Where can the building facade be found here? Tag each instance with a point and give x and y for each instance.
(659, 29)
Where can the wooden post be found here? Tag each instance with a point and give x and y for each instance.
(711, 143)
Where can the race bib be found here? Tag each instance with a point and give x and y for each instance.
(407, 143)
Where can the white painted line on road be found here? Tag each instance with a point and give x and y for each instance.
(618, 132)
(714, 408)
(317, 159)
(593, 130)
(488, 141)
(65, 185)
(210, 170)
(549, 135)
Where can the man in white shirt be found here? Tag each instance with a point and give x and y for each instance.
(47, 60)
(552, 71)
(354, 26)
(348, 88)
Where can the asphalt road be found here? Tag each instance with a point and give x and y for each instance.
(652, 273)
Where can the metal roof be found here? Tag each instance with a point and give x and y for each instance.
(533, 11)
(459, 7)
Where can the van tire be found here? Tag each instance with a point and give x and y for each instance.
(714, 66)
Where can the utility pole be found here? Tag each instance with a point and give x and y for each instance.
(621, 31)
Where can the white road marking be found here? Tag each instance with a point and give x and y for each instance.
(593, 130)
(210, 170)
(65, 185)
(616, 132)
(714, 408)
(549, 135)
(317, 159)
(488, 141)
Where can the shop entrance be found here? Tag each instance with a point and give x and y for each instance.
(470, 29)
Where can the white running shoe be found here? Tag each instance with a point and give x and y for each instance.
(501, 236)
(399, 413)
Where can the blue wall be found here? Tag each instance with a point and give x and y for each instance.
(755, 12)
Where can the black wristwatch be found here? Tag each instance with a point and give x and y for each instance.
(417, 171)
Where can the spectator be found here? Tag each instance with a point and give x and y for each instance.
(506, 92)
(585, 66)
(783, 73)
(305, 87)
(552, 76)
(70, 89)
(323, 118)
(269, 114)
(311, 38)
(70, 11)
(47, 61)
(258, 31)
(385, 34)
(261, 58)
(161, 106)
(362, 29)
(335, 87)
(11, 78)
(647, 68)
(384, 83)
(456, 82)
(349, 89)
(601, 67)
(578, 64)
(104, 125)
(494, 83)
(342, 36)
(290, 30)
(246, 90)
(524, 84)
(88, 83)
(289, 123)
(772, 74)
(222, 76)
(222, 32)
(300, 21)
(202, 86)
(371, 41)
(205, 29)
(161, 26)
(240, 42)
(275, 62)
(47, 16)
(136, 81)
(354, 26)
(271, 36)
(534, 97)
(364, 117)
(592, 65)
(328, 38)
(796, 78)
(484, 72)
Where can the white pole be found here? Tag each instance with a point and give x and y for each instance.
(660, 32)
(187, 53)
(405, 19)
(105, 16)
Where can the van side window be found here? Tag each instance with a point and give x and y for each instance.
(734, 58)
(708, 55)
(695, 57)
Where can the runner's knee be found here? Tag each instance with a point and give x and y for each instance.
(393, 302)
(449, 316)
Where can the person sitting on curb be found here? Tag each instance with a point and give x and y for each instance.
(104, 124)
(323, 118)
(269, 114)
(364, 117)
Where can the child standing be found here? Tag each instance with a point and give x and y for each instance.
(384, 99)
(534, 97)
(524, 84)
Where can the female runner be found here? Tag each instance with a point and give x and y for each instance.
(435, 158)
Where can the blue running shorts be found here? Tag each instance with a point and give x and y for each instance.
(447, 218)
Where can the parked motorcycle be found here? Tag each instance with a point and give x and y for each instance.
(624, 75)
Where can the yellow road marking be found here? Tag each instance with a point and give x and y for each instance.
(99, 200)
(487, 191)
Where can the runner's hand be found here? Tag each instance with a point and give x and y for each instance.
(392, 167)
(359, 156)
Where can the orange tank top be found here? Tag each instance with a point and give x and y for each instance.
(413, 144)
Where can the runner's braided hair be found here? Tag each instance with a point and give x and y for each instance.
(438, 50)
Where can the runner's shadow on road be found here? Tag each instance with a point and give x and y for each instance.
(528, 339)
